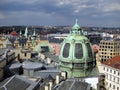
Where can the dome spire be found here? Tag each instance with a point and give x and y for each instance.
(76, 30)
(76, 21)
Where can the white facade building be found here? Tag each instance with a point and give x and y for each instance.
(111, 69)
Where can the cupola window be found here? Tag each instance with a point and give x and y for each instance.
(78, 51)
(89, 50)
(66, 50)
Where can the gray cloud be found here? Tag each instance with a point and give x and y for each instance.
(60, 12)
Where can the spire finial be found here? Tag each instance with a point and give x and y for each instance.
(76, 21)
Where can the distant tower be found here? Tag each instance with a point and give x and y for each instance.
(26, 32)
(20, 32)
(34, 33)
(76, 55)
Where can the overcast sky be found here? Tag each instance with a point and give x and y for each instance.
(60, 12)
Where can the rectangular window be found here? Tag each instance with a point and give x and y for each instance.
(114, 72)
(110, 84)
(107, 69)
(113, 86)
(110, 71)
(25, 54)
(104, 68)
(117, 88)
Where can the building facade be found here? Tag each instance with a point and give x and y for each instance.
(111, 69)
(108, 49)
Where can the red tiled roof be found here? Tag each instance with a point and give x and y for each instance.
(14, 33)
(113, 62)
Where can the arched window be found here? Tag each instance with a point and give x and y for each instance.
(66, 50)
(78, 50)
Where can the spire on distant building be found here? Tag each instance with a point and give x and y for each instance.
(20, 32)
(34, 33)
(26, 32)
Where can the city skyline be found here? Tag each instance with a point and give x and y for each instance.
(99, 13)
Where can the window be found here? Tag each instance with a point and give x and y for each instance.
(25, 54)
(107, 69)
(66, 50)
(118, 73)
(89, 50)
(110, 71)
(114, 72)
(113, 86)
(78, 50)
(104, 68)
(117, 80)
(117, 88)
(114, 79)
(110, 84)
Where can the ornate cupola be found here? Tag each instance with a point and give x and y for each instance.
(76, 55)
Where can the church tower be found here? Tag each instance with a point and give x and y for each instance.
(76, 55)
(26, 32)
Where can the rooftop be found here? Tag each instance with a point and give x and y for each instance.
(113, 62)
(17, 82)
(72, 84)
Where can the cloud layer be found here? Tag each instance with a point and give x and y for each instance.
(60, 12)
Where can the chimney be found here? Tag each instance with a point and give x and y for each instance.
(42, 56)
(46, 87)
(50, 85)
(64, 75)
(48, 60)
(57, 78)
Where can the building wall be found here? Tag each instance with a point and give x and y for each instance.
(25, 55)
(2, 65)
(108, 49)
(112, 77)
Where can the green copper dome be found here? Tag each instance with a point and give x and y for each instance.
(76, 55)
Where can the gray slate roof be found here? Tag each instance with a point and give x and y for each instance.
(17, 82)
(74, 85)
(51, 56)
(45, 73)
(7, 42)
(32, 65)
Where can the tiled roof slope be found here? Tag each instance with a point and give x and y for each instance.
(113, 62)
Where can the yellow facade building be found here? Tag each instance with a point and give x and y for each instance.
(108, 49)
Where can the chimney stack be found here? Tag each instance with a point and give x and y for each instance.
(57, 79)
